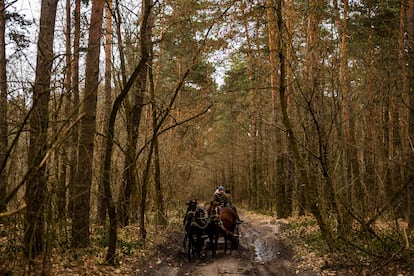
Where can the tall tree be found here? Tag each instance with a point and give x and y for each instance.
(398, 114)
(146, 36)
(133, 117)
(73, 162)
(362, 187)
(161, 216)
(101, 214)
(3, 106)
(283, 184)
(64, 151)
(313, 97)
(146, 8)
(410, 161)
(36, 183)
(346, 131)
(253, 107)
(83, 179)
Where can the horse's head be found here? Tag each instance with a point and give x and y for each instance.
(191, 205)
(213, 209)
(190, 214)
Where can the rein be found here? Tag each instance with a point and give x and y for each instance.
(194, 218)
(227, 231)
(220, 224)
(194, 223)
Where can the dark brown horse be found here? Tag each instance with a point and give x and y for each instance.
(194, 225)
(228, 218)
(214, 226)
(222, 223)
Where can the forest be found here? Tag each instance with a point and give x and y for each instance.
(116, 113)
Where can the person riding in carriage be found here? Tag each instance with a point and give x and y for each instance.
(223, 198)
(220, 196)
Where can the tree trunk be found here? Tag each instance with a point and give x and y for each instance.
(311, 188)
(36, 183)
(123, 215)
(157, 166)
(74, 156)
(253, 160)
(410, 158)
(161, 216)
(274, 37)
(312, 97)
(365, 190)
(3, 108)
(397, 154)
(64, 151)
(147, 6)
(347, 131)
(283, 184)
(133, 120)
(101, 213)
(139, 100)
(82, 185)
(281, 193)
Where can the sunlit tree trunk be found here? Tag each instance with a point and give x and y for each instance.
(3, 107)
(36, 183)
(82, 185)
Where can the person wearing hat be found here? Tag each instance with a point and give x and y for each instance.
(222, 199)
(220, 196)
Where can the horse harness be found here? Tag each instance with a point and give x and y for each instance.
(194, 218)
(214, 215)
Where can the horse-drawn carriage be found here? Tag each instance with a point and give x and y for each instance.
(217, 221)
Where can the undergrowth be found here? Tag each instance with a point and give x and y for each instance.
(377, 251)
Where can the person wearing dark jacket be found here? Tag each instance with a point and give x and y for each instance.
(220, 196)
(223, 198)
(227, 193)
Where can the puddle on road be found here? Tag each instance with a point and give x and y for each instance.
(263, 251)
(263, 243)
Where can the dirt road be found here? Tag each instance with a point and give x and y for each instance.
(261, 253)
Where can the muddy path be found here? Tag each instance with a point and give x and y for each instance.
(260, 253)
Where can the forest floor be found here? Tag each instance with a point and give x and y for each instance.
(267, 247)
